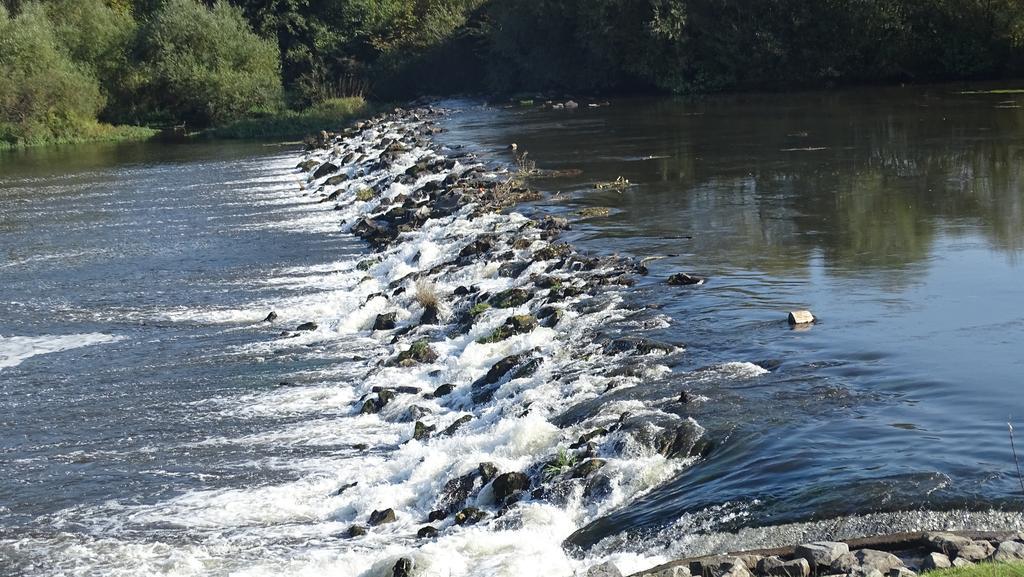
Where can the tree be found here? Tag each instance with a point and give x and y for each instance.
(206, 66)
(43, 94)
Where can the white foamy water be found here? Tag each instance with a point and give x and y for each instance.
(15, 350)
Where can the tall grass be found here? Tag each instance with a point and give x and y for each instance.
(981, 570)
(87, 132)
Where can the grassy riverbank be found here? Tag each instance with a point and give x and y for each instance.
(328, 115)
(96, 133)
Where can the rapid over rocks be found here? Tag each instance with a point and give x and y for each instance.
(494, 329)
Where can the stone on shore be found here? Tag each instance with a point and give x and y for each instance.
(606, 569)
(775, 567)
(676, 571)
(843, 564)
(935, 561)
(976, 551)
(821, 554)
(947, 543)
(1009, 552)
(719, 566)
(879, 560)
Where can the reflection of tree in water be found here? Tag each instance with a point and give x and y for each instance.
(868, 185)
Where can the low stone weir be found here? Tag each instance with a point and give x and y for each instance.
(494, 333)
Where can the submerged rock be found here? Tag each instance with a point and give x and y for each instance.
(510, 298)
(422, 431)
(325, 169)
(469, 516)
(382, 517)
(508, 483)
(457, 490)
(683, 279)
(450, 429)
(419, 352)
(514, 325)
(444, 390)
(488, 471)
(430, 315)
(403, 568)
(639, 345)
(512, 366)
(587, 468)
(385, 321)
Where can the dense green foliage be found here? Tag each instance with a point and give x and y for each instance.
(214, 62)
(43, 95)
(292, 124)
(412, 47)
(333, 48)
(65, 64)
(711, 45)
(205, 66)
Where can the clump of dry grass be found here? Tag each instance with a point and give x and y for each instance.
(426, 294)
(518, 174)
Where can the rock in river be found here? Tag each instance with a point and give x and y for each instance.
(382, 517)
(508, 483)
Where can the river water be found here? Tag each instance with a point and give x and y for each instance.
(145, 431)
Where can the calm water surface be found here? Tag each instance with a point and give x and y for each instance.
(896, 215)
(132, 277)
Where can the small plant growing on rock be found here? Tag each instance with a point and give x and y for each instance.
(365, 194)
(479, 309)
(563, 461)
(419, 352)
(515, 325)
(618, 184)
